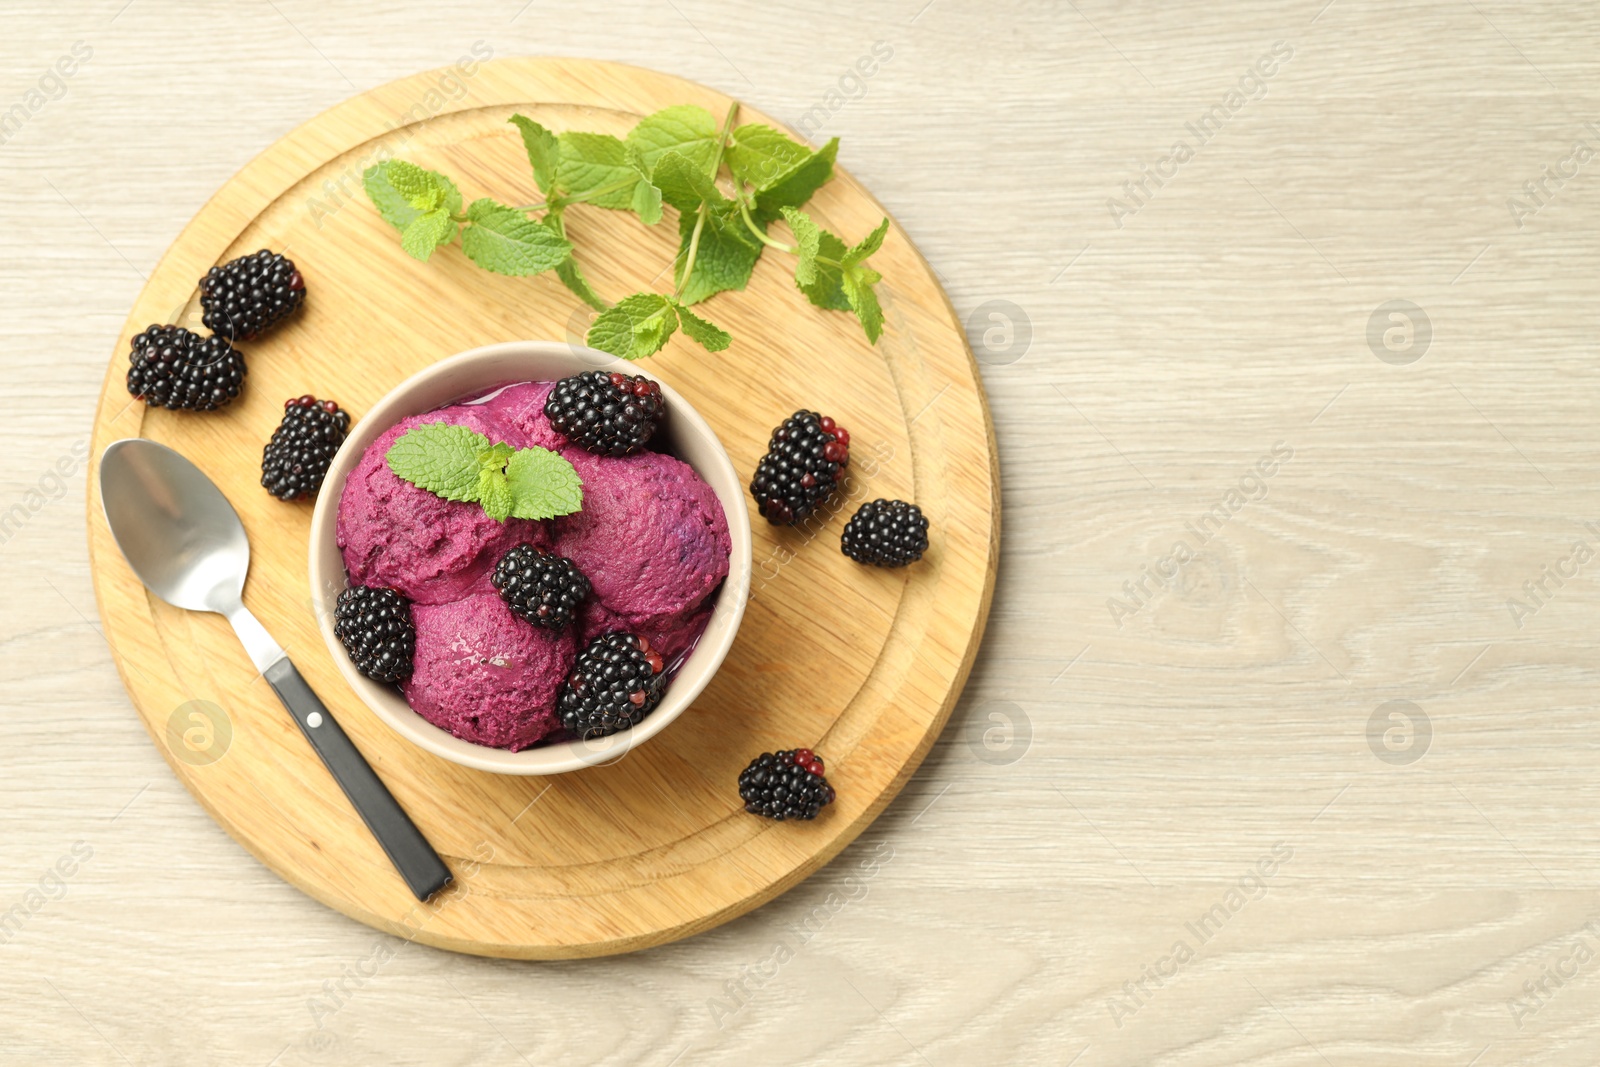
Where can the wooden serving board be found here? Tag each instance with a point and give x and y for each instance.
(861, 664)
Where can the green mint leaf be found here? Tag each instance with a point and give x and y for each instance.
(504, 240)
(594, 168)
(567, 270)
(415, 184)
(647, 202)
(827, 290)
(572, 277)
(636, 327)
(425, 190)
(709, 336)
(460, 464)
(725, 257)
(762, 157)
(871, 244)
(682, 184)
(544, 151)
(395, 209)
(857, 282)
(651, 332)
(797, 186)
(427, 232)
(543, 485)
(439, 457)
(394, 205)
(495, 456)
(692, 132)
(807, 237)
(646, 197)
(494, 494)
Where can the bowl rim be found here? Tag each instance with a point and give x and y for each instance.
(386, 701)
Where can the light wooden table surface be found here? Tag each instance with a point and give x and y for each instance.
(1177, 822)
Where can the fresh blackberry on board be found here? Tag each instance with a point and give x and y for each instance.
(609, 414)
(804, 460)
(785, 785)
(886, 533)
(616, 681)
(246, 297)
(374, 625)
(171, 367)
(541, 587)
(296, 459)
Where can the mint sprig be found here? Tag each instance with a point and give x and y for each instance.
(458, 463)
(833, 276)
(640, 324)
(727, 184)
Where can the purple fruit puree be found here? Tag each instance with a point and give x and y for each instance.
(652, 539)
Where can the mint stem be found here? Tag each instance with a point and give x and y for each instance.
(704, 208)
(750, 223)
(556, 202)
(773, 242)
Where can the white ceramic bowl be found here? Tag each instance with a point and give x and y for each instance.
(683, 433)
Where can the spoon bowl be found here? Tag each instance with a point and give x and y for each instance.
(175, 528)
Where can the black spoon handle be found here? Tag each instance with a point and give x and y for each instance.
(408, 850)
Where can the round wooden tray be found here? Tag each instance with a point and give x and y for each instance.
(861, 664)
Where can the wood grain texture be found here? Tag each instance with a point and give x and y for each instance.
(859, 664)
(1160, 760)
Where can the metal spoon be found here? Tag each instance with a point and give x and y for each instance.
(186, 543)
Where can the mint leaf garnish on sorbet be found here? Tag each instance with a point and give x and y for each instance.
(439, 457)
(457, 463)
(543, 485)
(494, 494)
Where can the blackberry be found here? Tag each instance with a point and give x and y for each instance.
(785, 785)
(609, 414)
(374, 625)
(170, 367)
(616, 681)
(246, 297)
(801, 468)
(541, 587)
(296, 459)
(886, 533)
